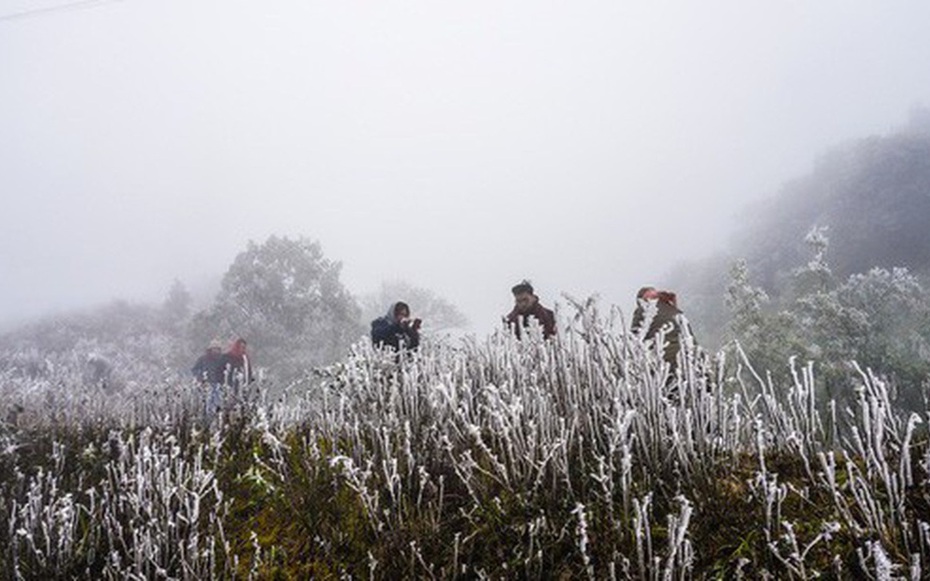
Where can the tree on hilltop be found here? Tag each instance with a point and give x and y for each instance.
(285, 298)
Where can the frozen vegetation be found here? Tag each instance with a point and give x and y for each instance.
(495, 458)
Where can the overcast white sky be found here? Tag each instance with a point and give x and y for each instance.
(459, 145)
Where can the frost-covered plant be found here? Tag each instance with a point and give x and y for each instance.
(579, 456)
(878, 319)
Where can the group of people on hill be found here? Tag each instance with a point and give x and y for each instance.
(227, 373)
(398, 330)
(224, 374)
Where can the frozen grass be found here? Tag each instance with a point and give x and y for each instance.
(491, 459)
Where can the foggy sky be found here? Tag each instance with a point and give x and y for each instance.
(461, 146)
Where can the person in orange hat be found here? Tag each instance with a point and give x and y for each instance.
(667, 319)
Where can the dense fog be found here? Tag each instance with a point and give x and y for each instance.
(588, 147)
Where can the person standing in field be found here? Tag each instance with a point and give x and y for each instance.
(208, 370)
(526, 307)
(237, 367)
(396, 329)
(667, 319)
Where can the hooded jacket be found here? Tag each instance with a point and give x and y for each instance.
(386, 331)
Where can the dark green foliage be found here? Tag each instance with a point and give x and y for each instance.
(879, 320)
(873, 196)
(293, 516)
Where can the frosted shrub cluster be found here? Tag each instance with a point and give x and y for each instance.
(484, 459)
(878, 318)
(98, 484)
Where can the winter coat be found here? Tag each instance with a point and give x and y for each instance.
(386, 331)
(544, 316)
(235, 369)
(666, 319)
(209, 368)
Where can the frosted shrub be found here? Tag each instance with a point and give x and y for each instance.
(494, 458)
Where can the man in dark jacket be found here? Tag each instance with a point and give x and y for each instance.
(208, 370)
(395, 329)
(526, 307)
(209, 367)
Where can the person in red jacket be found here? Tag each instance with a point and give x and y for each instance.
(526, 307)
(237, 368)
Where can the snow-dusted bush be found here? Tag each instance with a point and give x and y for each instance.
(880, 319)
(498, 458)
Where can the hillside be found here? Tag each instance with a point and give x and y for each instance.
(114, 344)
(494, 459)
(872, 195)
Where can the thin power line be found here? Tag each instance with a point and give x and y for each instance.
(79, 4)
